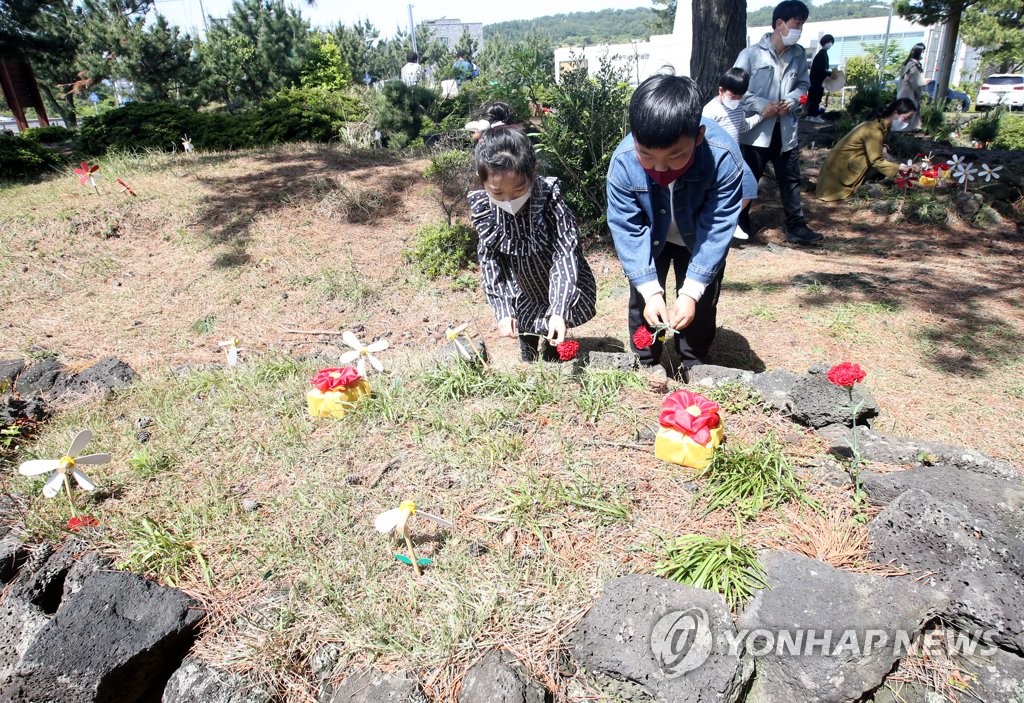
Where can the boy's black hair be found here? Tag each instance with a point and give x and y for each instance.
(505, 149)
(460, 54)
(735, 80)
(412, 57)
(789, 9)
(903, 105)
(663, 109)
(828, 38)
(496, 111)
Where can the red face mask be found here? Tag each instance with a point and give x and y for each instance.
(664, 178)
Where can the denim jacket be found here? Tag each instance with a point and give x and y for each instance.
(770, 84)
(706, 199)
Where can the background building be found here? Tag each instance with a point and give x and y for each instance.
(450, 30)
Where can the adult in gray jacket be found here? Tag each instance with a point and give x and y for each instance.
(777, 66)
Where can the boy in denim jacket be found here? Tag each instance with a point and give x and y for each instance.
(675, 184)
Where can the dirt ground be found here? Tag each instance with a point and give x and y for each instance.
(307, 238)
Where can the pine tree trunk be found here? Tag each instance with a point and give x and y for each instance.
(956, 10)
(719, 35)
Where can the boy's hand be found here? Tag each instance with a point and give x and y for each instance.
(783, 107)
(556, 329)
(507, 327)
(770, 110)
(655, 311)
(682, 313)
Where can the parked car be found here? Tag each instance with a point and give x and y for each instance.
(955, 100)
(1002, 89)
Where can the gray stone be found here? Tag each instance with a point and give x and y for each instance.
(450, 352)
(12, 555)
(980, 494)
(39, 378)
(20, 622)
(41, 582)
(776, 387)
(712, 376)
(999, 676)
(672, 640)
(198, 682)
(816, 402)
(499, 678)
(968, 204)
(889, 449)
(9, 370)
(116, 640)
(372, 686)
(971, 559)
(13, 409)
(107, 374)
(613, 361)
(832, 606)
(82, 569)
(899, 692)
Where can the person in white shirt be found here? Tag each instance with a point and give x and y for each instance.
(725, 110)
(412, 72)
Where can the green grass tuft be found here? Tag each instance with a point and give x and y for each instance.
(723, 565)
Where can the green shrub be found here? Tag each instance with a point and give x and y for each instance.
(306, 114)
(398, 113)
(985, 129)
(137, 126)
(869, 97)
(223, 131)
(1011, 133)
(587, 122)
(21, 157)
(49, 135)
(934, 122)
(442, 249)
(451, 175)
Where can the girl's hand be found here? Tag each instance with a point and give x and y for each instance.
(507, 327)
(556, 329)
(682, 312)
(655, 312)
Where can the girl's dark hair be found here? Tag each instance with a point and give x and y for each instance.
(903, 105)
(505, 149)
(412, 57)
(663, 109)
(735, 80)
(788, 9)
(915, 53)
(496, 111)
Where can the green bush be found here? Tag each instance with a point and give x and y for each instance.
(137, 126)
(398, 113)
(868, 98)
(451, 175)
(1011, 133)
(49, 135)
(223, 131)
(587, 122)
(23, 157)
(933, 121)
(442, 249)
(306, 114)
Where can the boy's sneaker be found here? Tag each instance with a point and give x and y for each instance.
(740, 234)
(816, 119)
(804, 236)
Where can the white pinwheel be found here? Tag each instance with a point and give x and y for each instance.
(964, 173)
(67, 465)
(988, 173)
(397, 519)
(362, 353)
(955, 161)
(232, 349)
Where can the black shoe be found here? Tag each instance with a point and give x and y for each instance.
(804, 236)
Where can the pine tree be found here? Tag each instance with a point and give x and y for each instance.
(324, 67)
(160, 63)
(995, 27)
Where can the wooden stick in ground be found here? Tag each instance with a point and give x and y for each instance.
(412, 552)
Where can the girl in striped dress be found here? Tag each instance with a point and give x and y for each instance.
(532, 268)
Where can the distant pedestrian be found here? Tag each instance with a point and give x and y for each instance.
(819, 72)
(412, 72)
(910, 82)
(462, 69)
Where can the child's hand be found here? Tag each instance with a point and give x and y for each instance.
(682, 312)
(507, 327)
(556, 329)
(783, 107)
(655, 311)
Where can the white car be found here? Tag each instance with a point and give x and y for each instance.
(1002, 89)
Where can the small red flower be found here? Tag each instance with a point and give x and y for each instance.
(125, 188)
(335, 379)
(85, 171)
(568, 350)
(642, 338)
(77, 523)
(845, 375)
(803, 99)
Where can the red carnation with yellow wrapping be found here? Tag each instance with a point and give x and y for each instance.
(335, 391)
(690, 430)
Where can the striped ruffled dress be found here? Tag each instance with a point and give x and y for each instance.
(531, 263)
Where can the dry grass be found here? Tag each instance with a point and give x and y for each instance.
(252, 244)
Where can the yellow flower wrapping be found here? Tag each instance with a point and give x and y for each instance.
(673, 446)
(336, 403)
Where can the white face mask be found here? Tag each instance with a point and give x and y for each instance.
(511, 206)
(826, 47)
(899, 125)
(730, 103)
(792, 38)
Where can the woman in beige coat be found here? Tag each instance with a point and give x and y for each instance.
(910, 82)
(847, 165)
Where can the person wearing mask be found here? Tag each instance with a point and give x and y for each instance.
(910, 82)
(819, 72)
(852, 158)
(779, 77)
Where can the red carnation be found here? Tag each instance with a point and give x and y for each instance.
(568, 350)
(803, 99)
(335, 379)
(845, 375)
(642, 338)
(76, 523)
